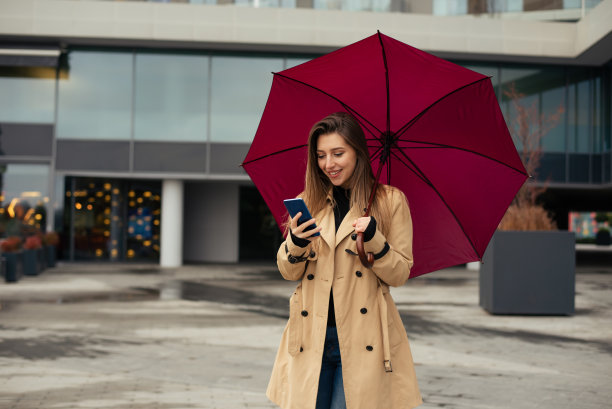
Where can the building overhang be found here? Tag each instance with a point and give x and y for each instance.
(234, 28)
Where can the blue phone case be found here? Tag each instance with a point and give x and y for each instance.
(294, 206)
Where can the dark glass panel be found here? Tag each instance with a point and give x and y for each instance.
(92, 155)
(552, 167)
(26, 139)
(170, 157)
(227, 157)
(578, 108)
(578, 168)
(596, 170)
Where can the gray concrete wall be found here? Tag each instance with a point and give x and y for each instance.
(231, 27)
(211, 225)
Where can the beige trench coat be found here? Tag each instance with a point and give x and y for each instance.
(370, 330)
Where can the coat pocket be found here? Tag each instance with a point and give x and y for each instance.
(295, 323)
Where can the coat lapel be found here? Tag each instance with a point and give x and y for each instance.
(346, 227)
(326, 220)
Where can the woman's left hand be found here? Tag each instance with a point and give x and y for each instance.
(361, 224)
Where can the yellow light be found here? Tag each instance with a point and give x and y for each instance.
(130, 253)
(156, 247)
(78, 206)
(107, 186)
(156, 222)
(156, 237)
(131, 230)
(139, 222)
(28, 214)
(157, 212)
(107, 210)
(99, 194)
(99, 252)
(146, 243)
(89, 207)
(138, 237)
(91, 200)
(46, 199)
(1, 210)
(131, 193)
(139, 200)
(107, 198)
(114, 253)
(38, 217)
(80, 193)
(106, 233)
(157, 197)
(147, 218)
(132, 203)
(147, 194)
(114, 203)
(11, 207)
(115, 191)
(106, 221)
(68, 194)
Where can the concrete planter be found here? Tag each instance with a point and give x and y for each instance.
(50, 256)
(529, 272)
(30, 263)
(12, 266)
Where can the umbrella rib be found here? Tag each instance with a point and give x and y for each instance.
(428, 182)
(356, 114)
(441, 145)
(416, 118)
(273, 153)
(384, 57)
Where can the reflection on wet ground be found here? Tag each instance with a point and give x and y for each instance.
(270, 305)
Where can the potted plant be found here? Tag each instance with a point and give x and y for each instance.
(50, 241)
(529, 265)
(31, 246)
(12, 255)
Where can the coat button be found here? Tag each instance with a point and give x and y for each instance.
(358, 273)
(354, 236)
(312, 254)
(363, 310)
(310, 276)
(301, 349)
(304, 313)
(369, 347)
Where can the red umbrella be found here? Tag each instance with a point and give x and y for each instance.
(434, 130)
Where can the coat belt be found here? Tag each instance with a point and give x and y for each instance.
(382, 307)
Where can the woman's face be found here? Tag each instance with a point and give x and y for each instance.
(336, 158)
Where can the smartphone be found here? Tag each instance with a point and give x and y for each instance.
(294, 206)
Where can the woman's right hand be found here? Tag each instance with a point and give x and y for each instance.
(298, 231)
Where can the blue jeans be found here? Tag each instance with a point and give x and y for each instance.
(331, 389)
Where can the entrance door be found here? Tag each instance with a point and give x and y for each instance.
(112, 219)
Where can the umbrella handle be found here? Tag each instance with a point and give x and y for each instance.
(366, 260)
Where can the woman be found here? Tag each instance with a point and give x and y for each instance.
(345, 345)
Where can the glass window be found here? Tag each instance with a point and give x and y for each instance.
(95, 96)
(24, 198)
(450, 7)
(27, 94)
(534, 99)
(579, 106)
(293, 62)
(239, 91)
(171, 101)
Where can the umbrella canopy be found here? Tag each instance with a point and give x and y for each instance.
(434, 129)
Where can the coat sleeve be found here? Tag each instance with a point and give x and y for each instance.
(393, 254)
(291, 259)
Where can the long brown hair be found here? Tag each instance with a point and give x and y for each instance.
(317, 188)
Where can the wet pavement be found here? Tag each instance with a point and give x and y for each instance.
(136, 336)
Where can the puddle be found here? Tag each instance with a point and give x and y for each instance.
(269, 305)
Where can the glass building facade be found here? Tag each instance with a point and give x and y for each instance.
(90, 141)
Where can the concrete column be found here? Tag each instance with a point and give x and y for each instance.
(171, 240)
